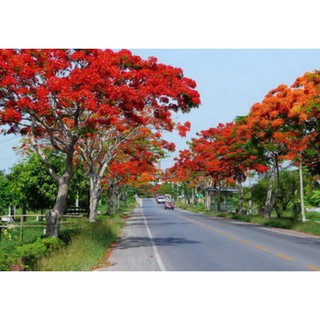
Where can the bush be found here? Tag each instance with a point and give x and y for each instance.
(280, 223)
(314, 198)
(26, 257)
(6, 261)
(52, 244)
(242, 217)
(28, 254)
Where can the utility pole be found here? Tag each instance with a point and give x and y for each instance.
(303, 216)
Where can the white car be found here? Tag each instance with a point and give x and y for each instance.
(161, 199)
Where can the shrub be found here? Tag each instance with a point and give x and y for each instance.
(314, 198)
(26, 257)
(280, 223)
(242, 217)
(5, 262)
(30, 253)
(52, 244)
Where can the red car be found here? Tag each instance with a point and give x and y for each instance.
(169, 205)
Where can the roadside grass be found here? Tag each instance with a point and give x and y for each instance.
(89, 242)
(83, 245)
(10, 238)
(287, 222)
(87, 248)
(309, 227)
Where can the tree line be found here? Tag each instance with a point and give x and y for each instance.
(282, 129)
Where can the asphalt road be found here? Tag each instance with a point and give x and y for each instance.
(156, 239)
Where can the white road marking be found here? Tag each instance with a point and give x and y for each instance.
(154, 247)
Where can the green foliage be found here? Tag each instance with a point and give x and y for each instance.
(52, 244)
(26, 257)
(284, 223)
(28, 254)
(259, 193)
(5, 194)
(29, 184)
(87, 248)
(242, 217)
(308, 227)
(314, 198)
(288, 192)
(313, 216)
(167, 188)
(6, 261)
(32, 184)
(79, 186)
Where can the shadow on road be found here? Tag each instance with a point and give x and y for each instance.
(133, 242)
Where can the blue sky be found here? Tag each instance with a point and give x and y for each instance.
(230, 81)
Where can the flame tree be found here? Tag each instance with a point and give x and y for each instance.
(59, 97)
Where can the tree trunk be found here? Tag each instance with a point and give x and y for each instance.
(303, 216)
(54, 215)
(192, 196)
(240, 198)
(109, 202)
(208, 201)
(95, 192)
(187, 196)
(271, 196)
(219, 196)
(115, 199)
(125, 197)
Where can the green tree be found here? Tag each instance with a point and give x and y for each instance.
(5, 193)
(288, 192)
(32, 186)
(34, 189)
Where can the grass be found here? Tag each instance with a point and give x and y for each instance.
(309, 227)
(11, 237)
(87, 248)
(87, 243)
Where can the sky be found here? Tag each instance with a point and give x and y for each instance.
(229, 81)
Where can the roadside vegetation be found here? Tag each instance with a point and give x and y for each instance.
(81, 245)
(311, 226)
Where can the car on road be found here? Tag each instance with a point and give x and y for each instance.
(169, 204)
(161, 199)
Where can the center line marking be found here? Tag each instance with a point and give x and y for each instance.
(309, 266)
(280, 255)
(154, 247)
(262, 248)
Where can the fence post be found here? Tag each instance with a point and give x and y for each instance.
(21, 229)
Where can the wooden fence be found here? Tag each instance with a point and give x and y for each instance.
(19, 221)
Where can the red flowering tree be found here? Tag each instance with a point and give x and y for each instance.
(59, 97)
(133, 166)
(305, 110)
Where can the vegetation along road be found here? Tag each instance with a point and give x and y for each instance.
(156, 239)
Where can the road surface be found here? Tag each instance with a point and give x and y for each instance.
(155, 239)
